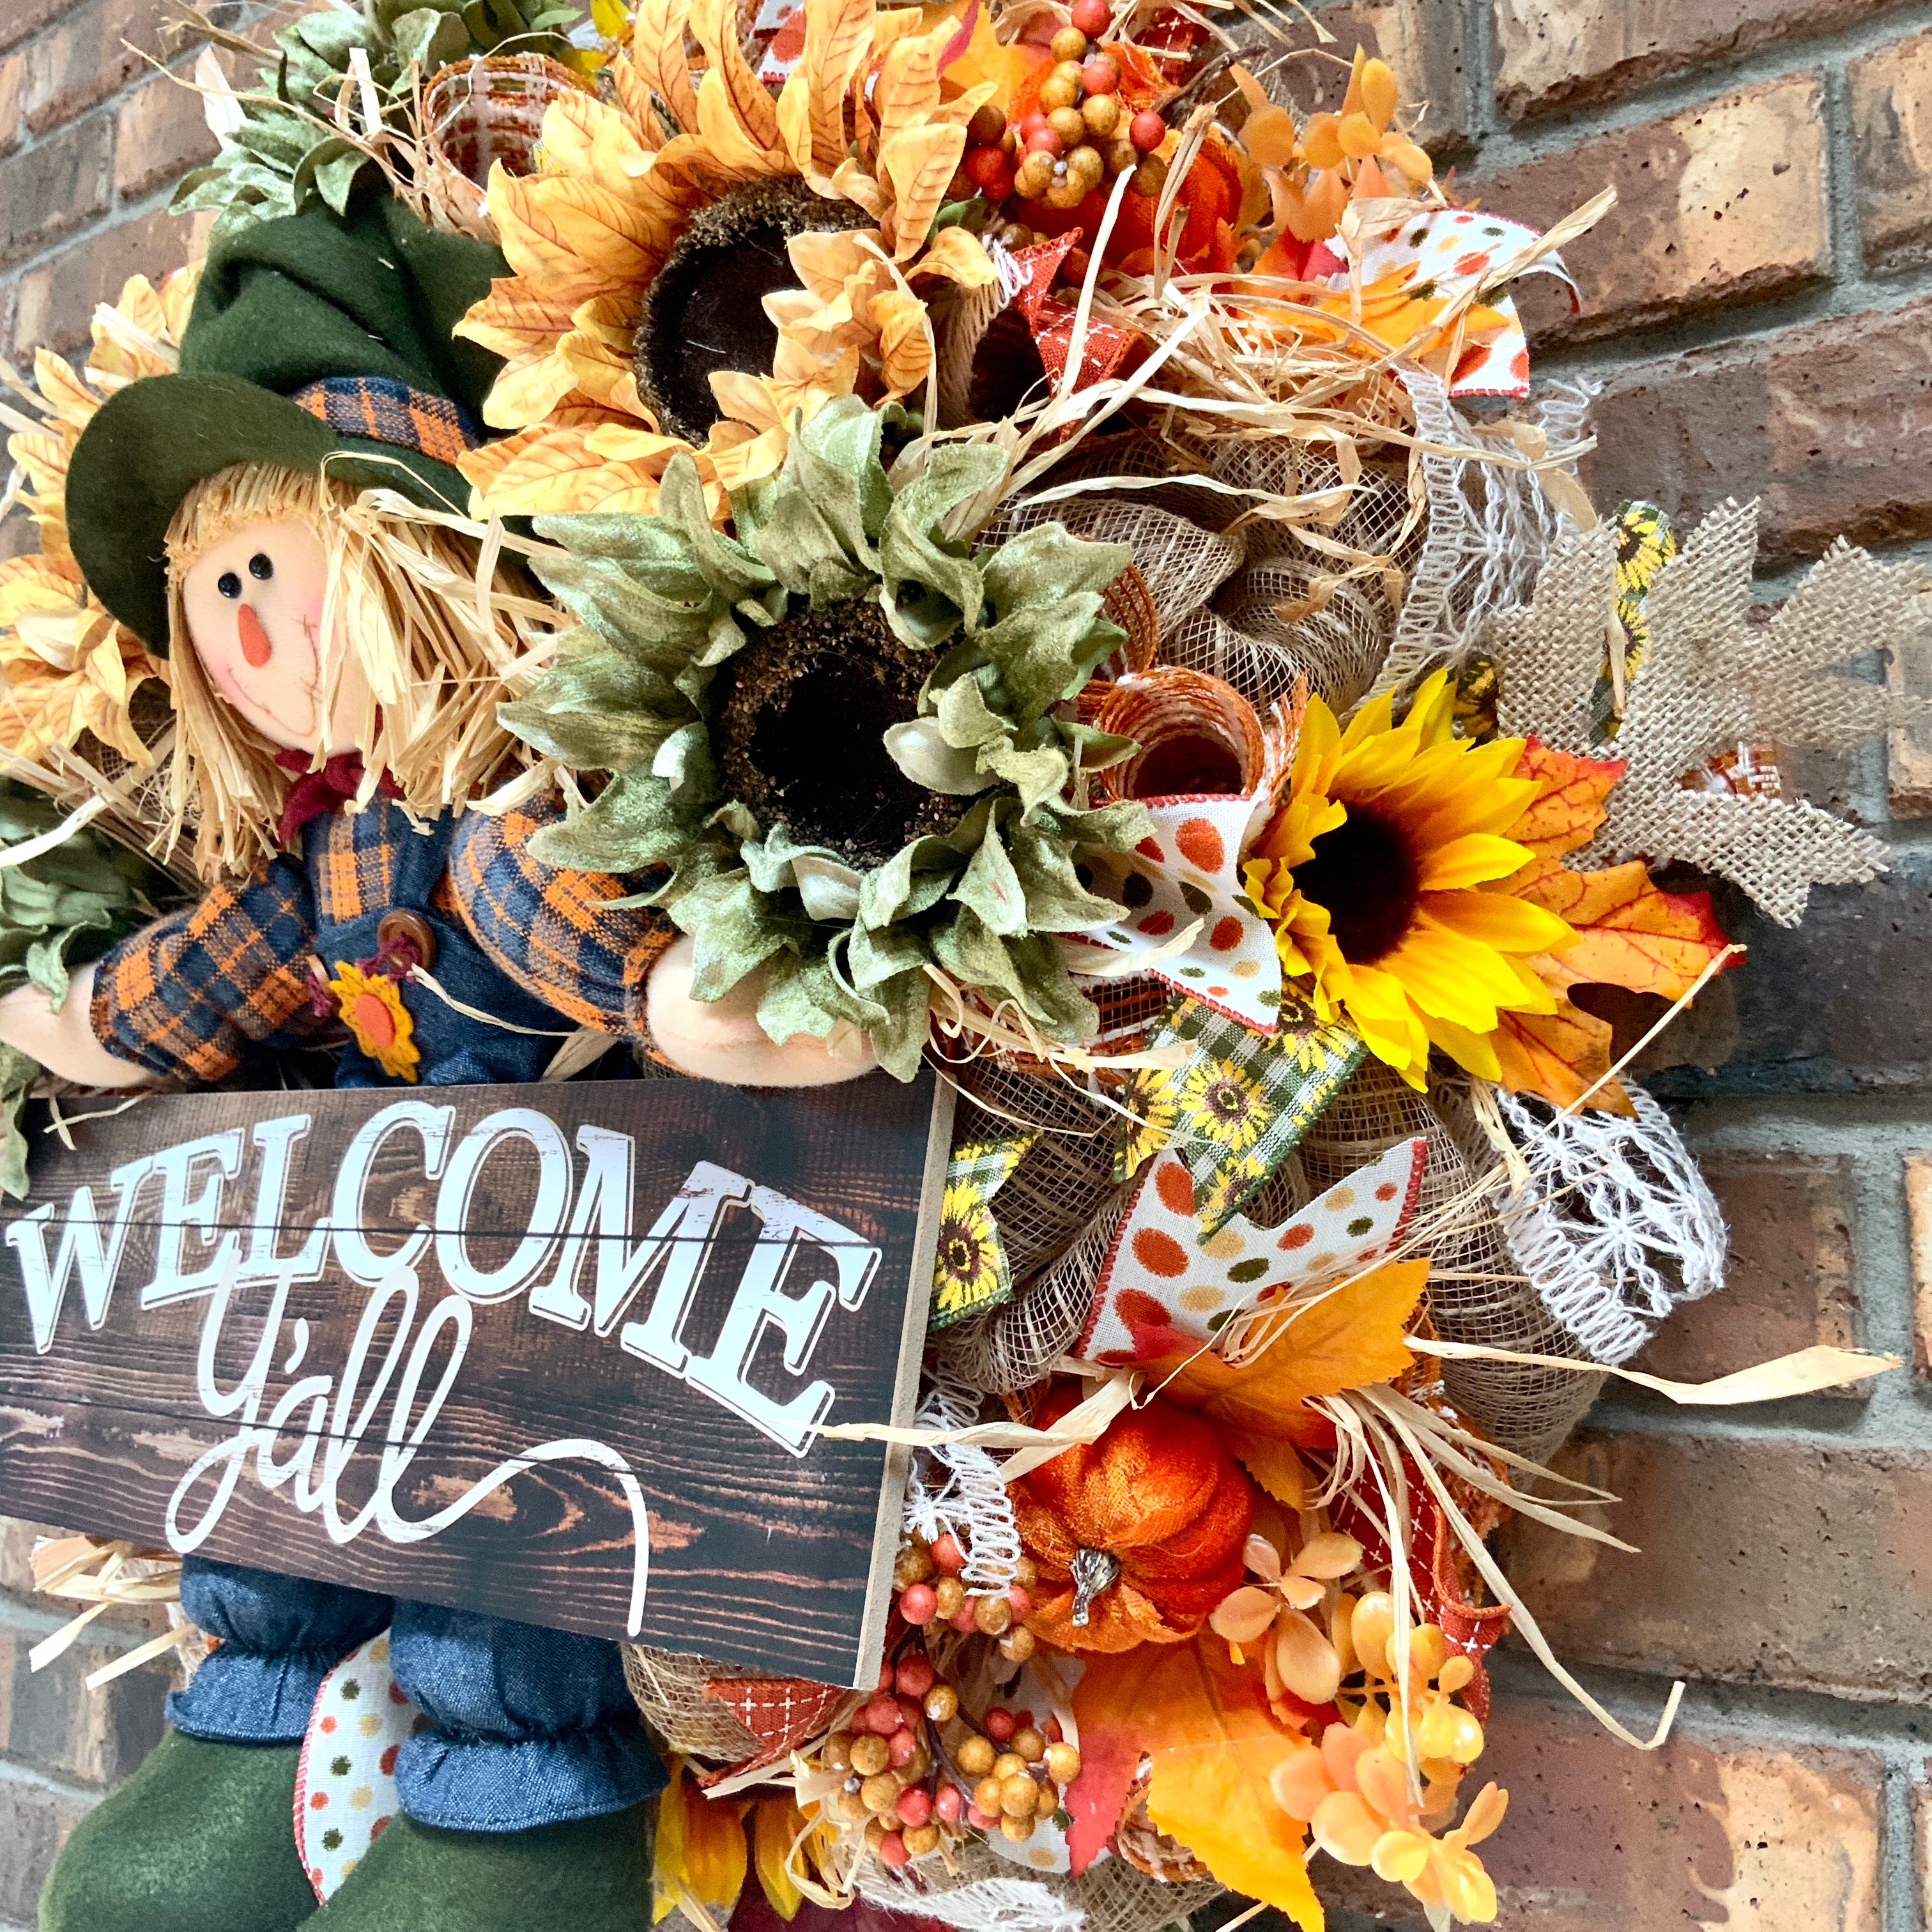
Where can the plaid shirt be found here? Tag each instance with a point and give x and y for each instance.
(197, 993)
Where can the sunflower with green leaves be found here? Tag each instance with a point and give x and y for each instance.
(839, 728)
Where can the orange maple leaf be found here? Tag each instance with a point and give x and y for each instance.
(1566, 813)
(1204, 1722)
(1630, 933)
(1348, 1338)
(1561, 1055)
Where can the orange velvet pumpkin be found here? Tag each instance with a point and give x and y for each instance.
(1135, 1536)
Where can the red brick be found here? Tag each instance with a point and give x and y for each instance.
(1427, 43)
(1829, 425)
(19, 18)
(97, 48)
(58, 298)
(1711, 1829)
(13, 76)
(1909, 748)
(1920, 1805)
(1722, 203)
(1557, 55)
(1788, 1277)
(35, 1819)
(53, 187)
(1918, 1211)
(1891, 136)
(1765, 1560)
(160, 132)
(50, 1718)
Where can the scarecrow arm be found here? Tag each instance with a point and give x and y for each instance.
(195, 994)
(557, 932)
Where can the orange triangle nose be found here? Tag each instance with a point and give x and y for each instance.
(255, 646)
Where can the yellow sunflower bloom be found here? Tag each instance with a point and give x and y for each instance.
(791, 232)
(1222, 1104)
(966, 1267)
(372, 1008)
(1387, 880)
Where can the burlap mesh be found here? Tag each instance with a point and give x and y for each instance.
(1477, 1293)
(1713, 679)
(990, 1894)
(670, 1691)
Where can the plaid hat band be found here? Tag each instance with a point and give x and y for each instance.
(385, 410)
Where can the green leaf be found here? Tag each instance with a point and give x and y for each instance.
(899, 1039)
(685, 763)
(1056, 901)
(598, 712)
(1044, 565)
(915, 878)
(804, 996)
(333, 36)
(1119, 827)
(430, 38)
(1037, 775)
(876, 955)
(630, 825)
(735, 929)
(730, 569)
(964, 718)
(991, 887)
(799, 540)
(18, 1073)
(1045, 655)
(1027, 970)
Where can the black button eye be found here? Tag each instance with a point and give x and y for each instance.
(261, 566)
(229, 584)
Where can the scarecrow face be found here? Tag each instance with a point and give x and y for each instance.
(254, 603)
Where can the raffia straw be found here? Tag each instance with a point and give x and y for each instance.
(103, 1573)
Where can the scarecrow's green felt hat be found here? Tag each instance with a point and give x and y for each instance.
(315, 340)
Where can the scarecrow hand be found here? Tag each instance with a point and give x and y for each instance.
(63, 1041)
(722, 1040)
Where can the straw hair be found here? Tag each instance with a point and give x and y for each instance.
(432, 654)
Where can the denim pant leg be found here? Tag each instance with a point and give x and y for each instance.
(279, 1636)
(528, 1726)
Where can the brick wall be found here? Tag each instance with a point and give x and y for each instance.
(1758, 312)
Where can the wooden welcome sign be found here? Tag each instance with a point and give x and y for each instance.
(560, 1353)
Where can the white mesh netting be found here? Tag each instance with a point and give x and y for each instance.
(1615, 1226)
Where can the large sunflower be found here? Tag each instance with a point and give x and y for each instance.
(1388, 880)
(697, 262)
(840, 729)
(66, 667)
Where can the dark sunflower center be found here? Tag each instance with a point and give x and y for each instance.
(1365, 876)
(801, 729)
(959, 1249)
(1225, 1101)
(705, 309)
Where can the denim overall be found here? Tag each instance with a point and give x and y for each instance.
(528, 1726)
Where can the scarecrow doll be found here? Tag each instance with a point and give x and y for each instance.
(335, 679)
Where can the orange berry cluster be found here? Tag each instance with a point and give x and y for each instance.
(1079, 135)
(917, 1769)
(930, 1589)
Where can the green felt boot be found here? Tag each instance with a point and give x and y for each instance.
(591, 1875)
(200, 1839)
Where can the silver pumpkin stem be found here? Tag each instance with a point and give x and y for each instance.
(1093, 1570)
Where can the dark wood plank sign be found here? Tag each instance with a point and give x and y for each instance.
(560, 1353)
